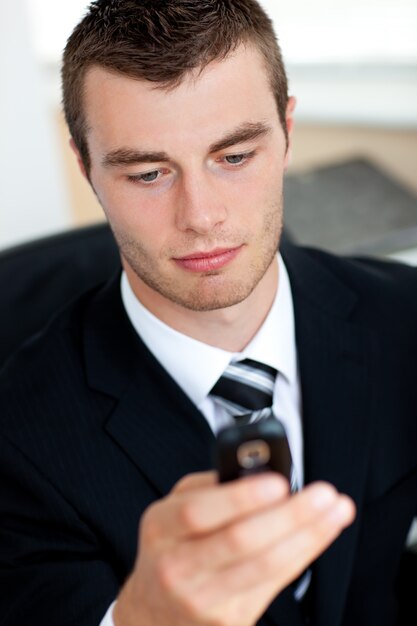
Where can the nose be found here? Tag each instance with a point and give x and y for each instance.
(199, 204)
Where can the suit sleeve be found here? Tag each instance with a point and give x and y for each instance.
(53, 570)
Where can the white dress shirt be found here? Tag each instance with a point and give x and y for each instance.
(273, 344)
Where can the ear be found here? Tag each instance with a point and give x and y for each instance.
(289, 120)
(79, 159)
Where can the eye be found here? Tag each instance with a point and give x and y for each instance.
(235, 159)
(238, 160)
(147, 178)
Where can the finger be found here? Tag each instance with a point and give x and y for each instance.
(196, 512)
(301, 549)
(255, 533)
(253, 584)
(195, 481)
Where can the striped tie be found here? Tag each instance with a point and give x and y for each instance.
(245, 386)
(245, 390)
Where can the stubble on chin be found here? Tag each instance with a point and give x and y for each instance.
(210, 291)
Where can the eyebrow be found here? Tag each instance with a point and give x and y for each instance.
(245, 132)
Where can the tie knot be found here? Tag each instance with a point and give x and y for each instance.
(245, 386)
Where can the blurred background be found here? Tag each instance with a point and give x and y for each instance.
(352, 64)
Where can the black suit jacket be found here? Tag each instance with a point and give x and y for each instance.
(93, 429)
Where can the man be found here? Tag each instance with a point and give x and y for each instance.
(181, 122)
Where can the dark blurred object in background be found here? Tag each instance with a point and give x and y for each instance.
(351, 208)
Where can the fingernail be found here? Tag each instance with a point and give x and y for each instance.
(272, 488)
(322, 496)
(343, 510)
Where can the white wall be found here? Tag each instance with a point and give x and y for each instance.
(337, 31)
(32, 192)
(348, 61)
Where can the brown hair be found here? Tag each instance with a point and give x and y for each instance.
(161, 41)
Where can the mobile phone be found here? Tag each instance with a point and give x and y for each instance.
(242, 450)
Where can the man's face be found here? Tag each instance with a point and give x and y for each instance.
(190, 180)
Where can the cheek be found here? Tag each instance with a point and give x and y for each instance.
(130, 211)
(260, 195)
(263, 181)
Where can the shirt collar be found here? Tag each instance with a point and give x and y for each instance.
(201, 365)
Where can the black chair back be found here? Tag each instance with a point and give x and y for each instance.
(40, 277)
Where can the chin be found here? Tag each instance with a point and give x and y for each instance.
(212, 298)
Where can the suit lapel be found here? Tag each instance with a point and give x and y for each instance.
(153, 421)
(161, 432)
(334, 362)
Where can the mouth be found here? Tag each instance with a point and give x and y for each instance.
(208, 260)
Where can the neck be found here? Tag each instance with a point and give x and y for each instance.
(230, 329)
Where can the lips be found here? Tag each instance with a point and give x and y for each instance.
(209, 260)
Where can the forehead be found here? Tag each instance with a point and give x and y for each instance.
(121, 111)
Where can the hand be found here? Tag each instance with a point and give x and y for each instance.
(217, 554)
